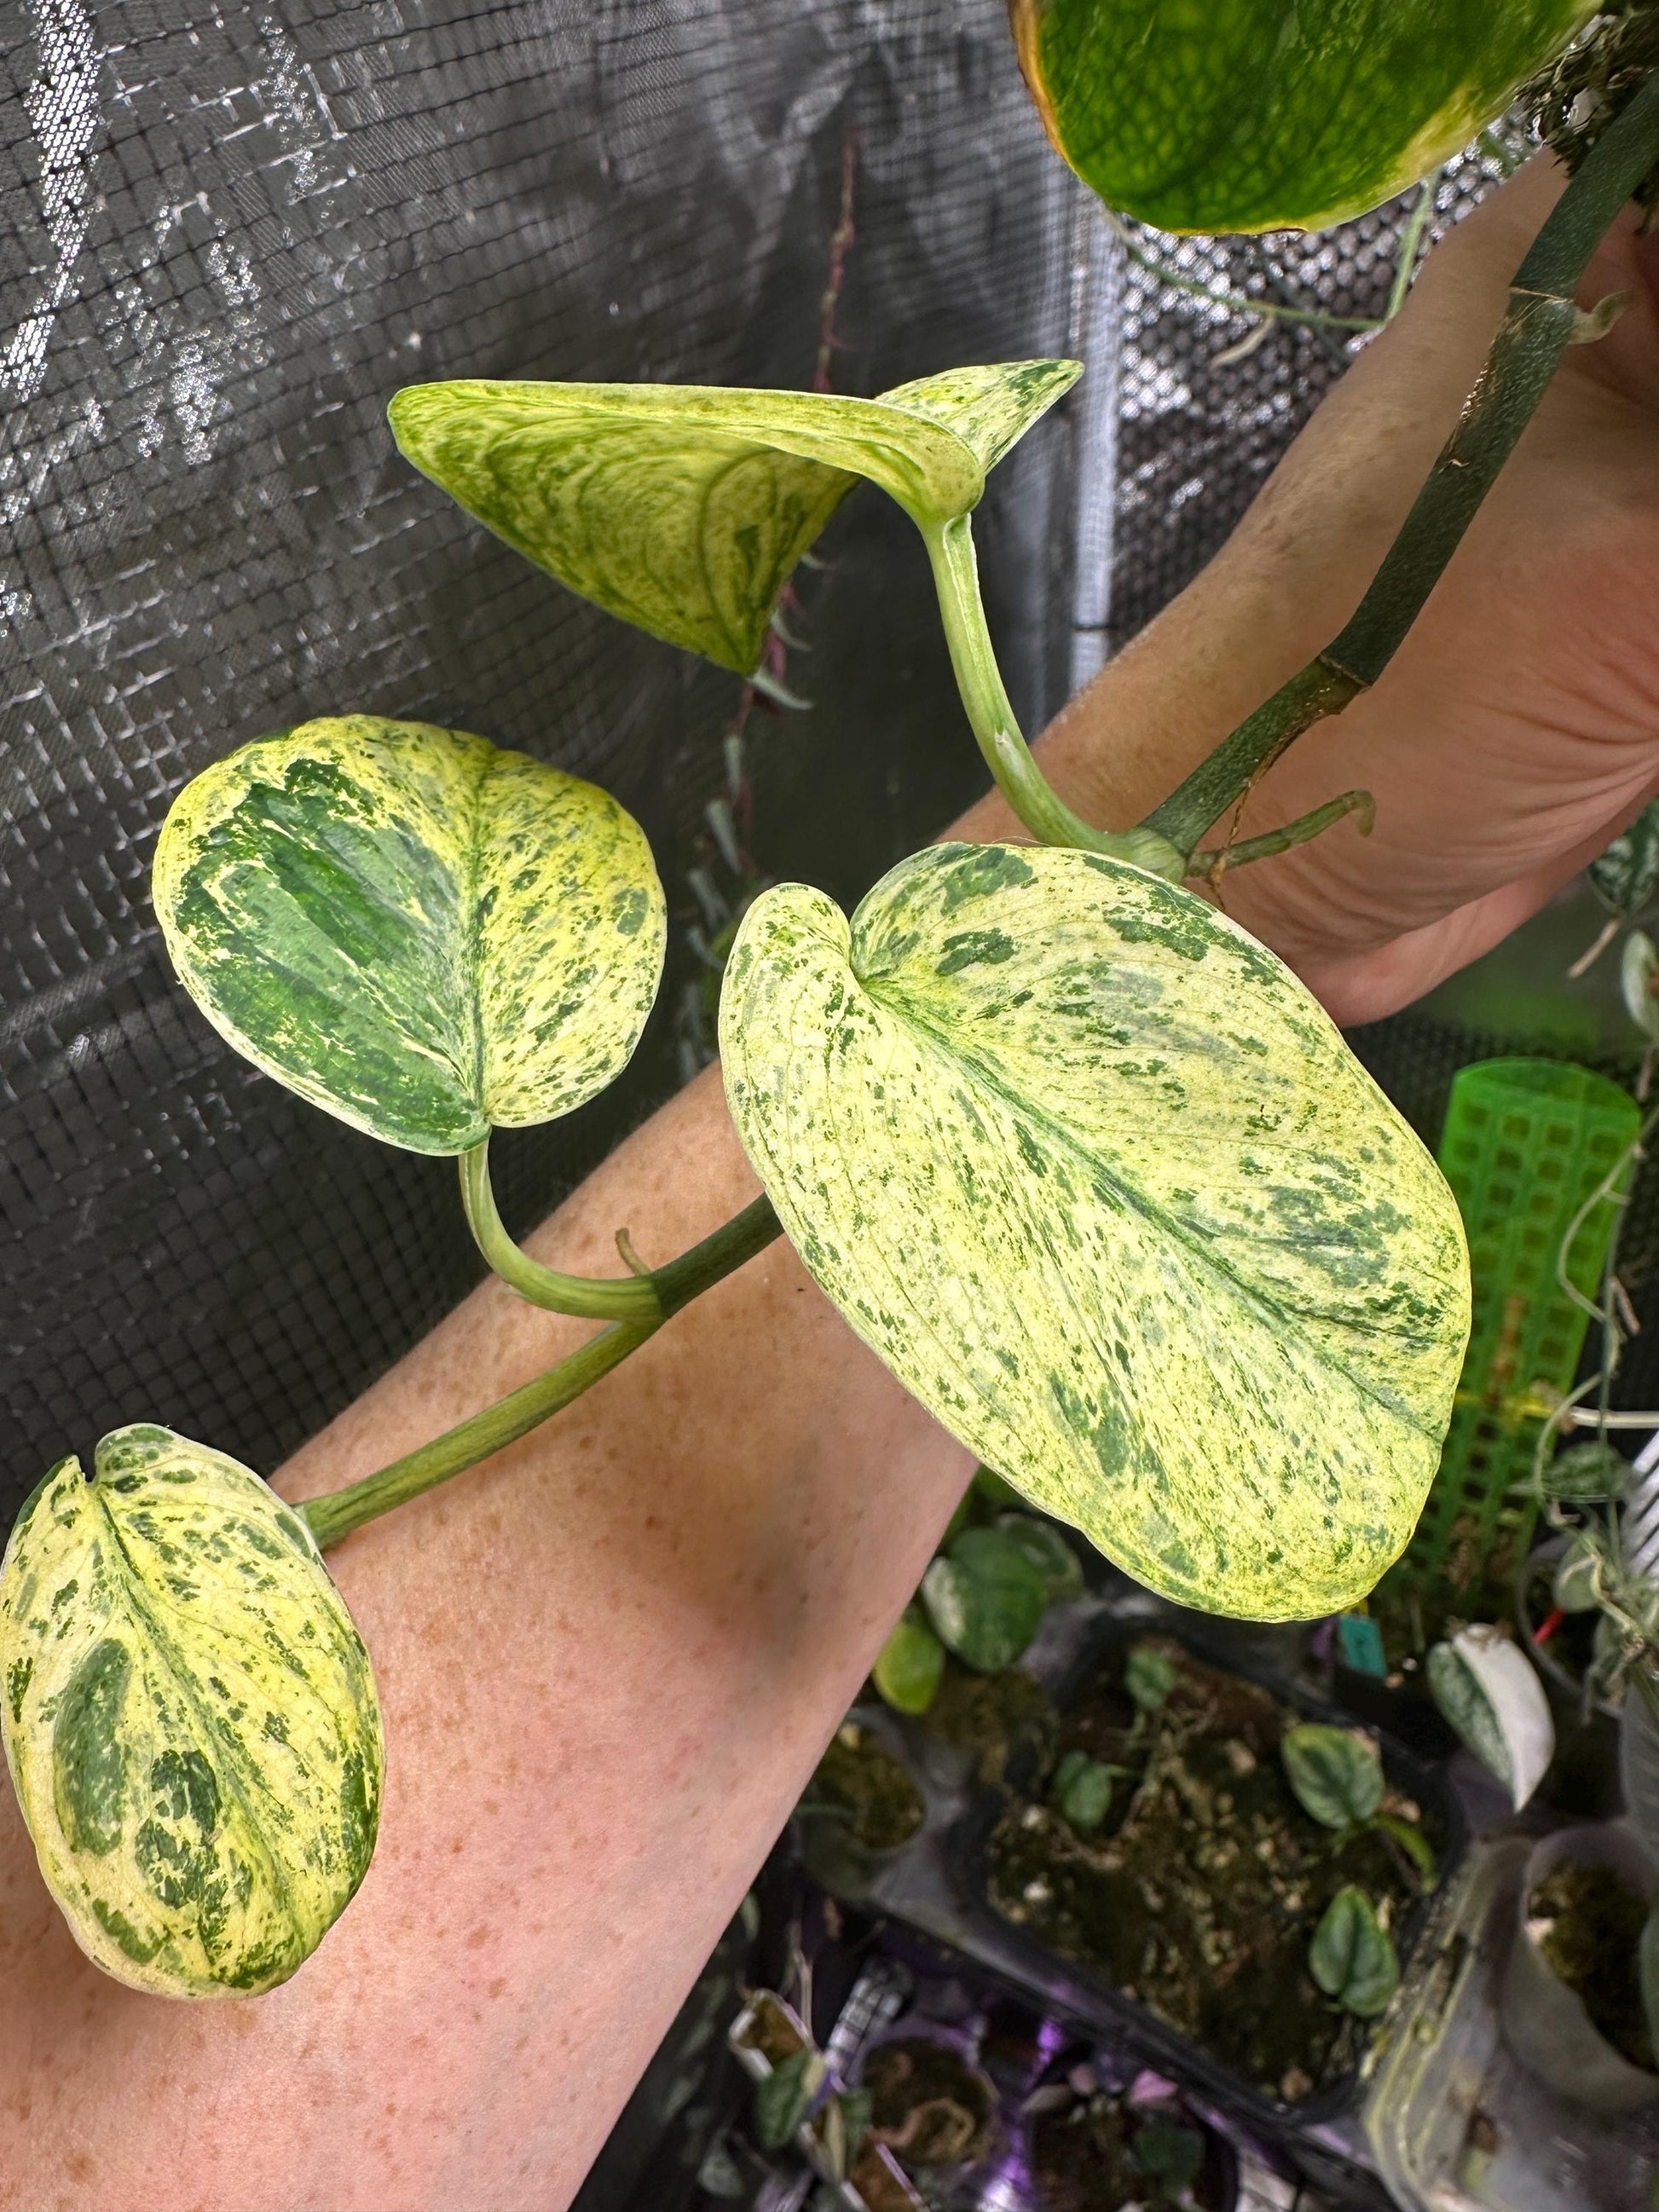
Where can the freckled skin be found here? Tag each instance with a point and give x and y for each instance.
(643, 1706)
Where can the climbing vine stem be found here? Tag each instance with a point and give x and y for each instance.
(338, 1512)
(1540, 323)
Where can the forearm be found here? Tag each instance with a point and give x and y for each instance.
(610, 1657)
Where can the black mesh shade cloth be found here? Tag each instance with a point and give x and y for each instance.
(229, 235)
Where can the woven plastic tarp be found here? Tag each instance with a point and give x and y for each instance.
(229, 235)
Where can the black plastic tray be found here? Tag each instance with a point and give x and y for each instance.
(1083, 1994)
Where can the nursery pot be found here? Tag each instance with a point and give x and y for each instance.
(1544, 2022)
(838, 1858)
(1638, 1759)
(1583, 1774)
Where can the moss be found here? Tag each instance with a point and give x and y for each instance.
(1595, 1922)
(1200, 1892)
(858, 1779)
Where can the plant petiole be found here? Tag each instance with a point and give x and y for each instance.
(1021, 781)
(338, 1512)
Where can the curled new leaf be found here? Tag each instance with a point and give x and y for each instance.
(684, 508)
(190, 1718)
(424, 934)
(1337, 1775)
(1099, 1180)
(1353, 1956)
(1257, 114)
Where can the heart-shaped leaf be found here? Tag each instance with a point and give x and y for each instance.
(1337, 1775)
(423, 934)
(908, 1669)
(1048, 1551)
(190, 1718)
(1488, 1691)
(1353, 1956)
(684, 508)
(1098, 1180)
(1626, 876)
(1082, 1791)
(1592, 1470)
(1256, 114)
(1149, 1676)
(985, 1598)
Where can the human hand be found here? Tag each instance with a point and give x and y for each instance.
(1516, 729)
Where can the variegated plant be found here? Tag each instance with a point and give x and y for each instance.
(189, 1717)
(1126, 1215)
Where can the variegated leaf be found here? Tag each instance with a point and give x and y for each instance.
(1626, 876)
(1488, 1690)
(189, 1717)
(424, 934)
(684, 508)
(1260, 115)
(1099, 1180)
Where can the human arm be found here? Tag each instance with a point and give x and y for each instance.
(611, 1657)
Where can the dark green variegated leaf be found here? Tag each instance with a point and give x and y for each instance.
(783, 2099)
(1048, 1551)
(1353, 1956)
(1626, 876)
(684, 508)
(1099, 1180)
(1259, 114)
(1172, 2155)
(985, 1598)
(907, 1673)
(424, 934)
(1585, 1472)
(1083, 1791)
(1489, 1691)
(1337, 1775)
(189, 1717)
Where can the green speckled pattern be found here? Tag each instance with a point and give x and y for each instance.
(1222, 115)
(413, 929)
(684, 508)
(1100, 1181)
(189, 1717)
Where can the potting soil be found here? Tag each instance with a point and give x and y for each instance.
(856, 1777)
(1084, 2159)
(1199, 1895)
(1595, 1921)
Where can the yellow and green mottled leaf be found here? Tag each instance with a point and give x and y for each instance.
(420, 932)
(684, 508)
(1224, 115)
(189, 1717)
(1101, 1183)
